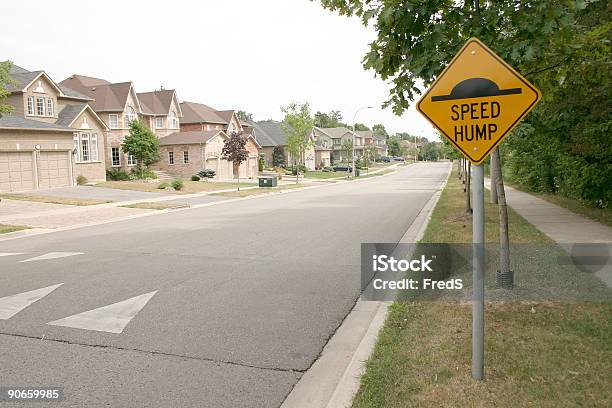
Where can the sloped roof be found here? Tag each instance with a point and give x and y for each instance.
(365, 133)
(69, 114)
(17, 122)
(23, 77)
(191, 137)
(199, 113)
(156, 102)
(269, 133)
(106, 96)
(334, 132)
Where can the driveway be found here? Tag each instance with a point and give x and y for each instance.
(98, 193)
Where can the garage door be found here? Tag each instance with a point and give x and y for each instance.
(253, 167)
(225, 170)
(16, 171)
(53, 169)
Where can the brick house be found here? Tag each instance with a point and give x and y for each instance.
(185, 153)
(51, 137)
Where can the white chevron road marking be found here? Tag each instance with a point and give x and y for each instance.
(10, 253)
(11, 305)
(112, 318)
(52, 255)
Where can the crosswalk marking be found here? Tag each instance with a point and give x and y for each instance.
(52, 255)
(11, 305)
(112, 318)
(10, 253)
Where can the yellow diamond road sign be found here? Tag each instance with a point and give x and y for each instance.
(477, 100)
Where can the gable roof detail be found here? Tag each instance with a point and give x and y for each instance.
(106, 96)
(24, 78)
(335, 132)
(191, 137)
(159, 102)
(70, 113)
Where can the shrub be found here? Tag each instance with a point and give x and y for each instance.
(206, 173)
(177, 184)
(117, 175)
(195, 178)
(163, 185)
(327, 169)
(142, 174)
(292, 169)
(81, 180)
(261, 161)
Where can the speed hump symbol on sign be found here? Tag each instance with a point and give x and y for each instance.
(477, 100)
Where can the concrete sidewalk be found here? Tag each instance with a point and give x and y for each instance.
(562, 225)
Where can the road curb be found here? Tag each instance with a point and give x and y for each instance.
(334, 378)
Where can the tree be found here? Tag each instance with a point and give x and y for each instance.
(278, 156)
(431, 151)
(234, 150)
(297, 124)
(327, 120)
(545, 40)
(244, 116)
(360, 126)
(369, 155)
(143, 145)
(379, 130)
(394, 147)
(347, 149)
(5, 82)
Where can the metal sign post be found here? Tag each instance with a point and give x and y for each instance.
(478, 266)
(475, 102)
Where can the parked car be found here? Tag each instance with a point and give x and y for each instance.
(384, 159)
(397, 158)
(342, 167)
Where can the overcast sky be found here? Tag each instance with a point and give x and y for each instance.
(230, 54)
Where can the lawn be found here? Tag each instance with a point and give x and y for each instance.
(324, 175)
(188, 188)
(11, 228)
(537, 353)
(160, 205)
(54, 200)
(258, 191)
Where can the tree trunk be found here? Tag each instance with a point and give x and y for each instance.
(459, 161)
(493, 174)
(504, 241)
(465, 175)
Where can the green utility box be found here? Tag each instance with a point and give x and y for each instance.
(268, 181)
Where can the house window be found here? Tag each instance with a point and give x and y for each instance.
(128, 116)
(170, 157)
(173, 121)
(30, 105)
(159, 122)
(115, 157)
(49, 107)
(113, 121)
(94, 147)
(336, 142)
(40, 106)
(77, 149)
(131, 160)
(84, 146)
(185, 157)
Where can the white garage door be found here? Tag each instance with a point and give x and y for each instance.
(16, 171)
(225, 170)
(53, 169)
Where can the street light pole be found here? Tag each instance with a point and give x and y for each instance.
(354, 130)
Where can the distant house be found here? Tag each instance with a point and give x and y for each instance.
(270, 134)
(161, 111)
(329, 142)
(51, 137)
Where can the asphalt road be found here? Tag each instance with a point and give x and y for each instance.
(248, 293)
